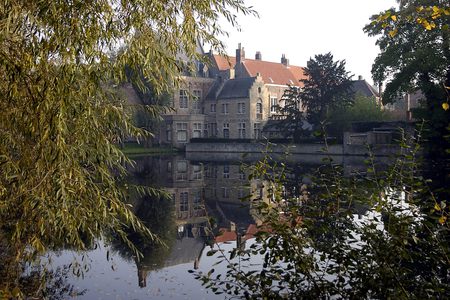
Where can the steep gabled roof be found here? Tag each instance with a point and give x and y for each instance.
(364, 88)
(224, 63)
(274, 73)
(271, 72)
(232, 88)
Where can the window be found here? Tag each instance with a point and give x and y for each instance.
(259, 108)
(241, 130)
(226, 130)
(169, 167)
(241, 108)
(212, 107)
(182, 132)
(196, 96)
(273, 104)
(226, 171)
(197, 130)
(257, 130)
(183, 99)
(225, 108)
(184, 201)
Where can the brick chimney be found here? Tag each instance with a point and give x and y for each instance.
(284, 60)
(240, 54)
(258, 55)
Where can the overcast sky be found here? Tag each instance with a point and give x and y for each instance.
(303, 28)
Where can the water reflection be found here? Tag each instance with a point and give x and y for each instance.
(201, 189)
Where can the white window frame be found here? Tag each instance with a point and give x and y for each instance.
(183, 99)
(182, 128)
(273, 104)
(225, 108)
(241, 130)
(241, 108)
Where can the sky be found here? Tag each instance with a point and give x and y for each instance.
(301, 29)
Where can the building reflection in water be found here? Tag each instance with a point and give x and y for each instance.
(199, 190)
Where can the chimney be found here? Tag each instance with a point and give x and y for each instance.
(231, 73)
(360, 77)
(258, 55)
(284, 60)
(240, 54)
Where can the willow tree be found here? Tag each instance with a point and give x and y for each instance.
(59, 118)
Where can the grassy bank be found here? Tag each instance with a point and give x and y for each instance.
(132, 149)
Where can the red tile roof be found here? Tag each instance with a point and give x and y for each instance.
(223, 63)
(271, 72)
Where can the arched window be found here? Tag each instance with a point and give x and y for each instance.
(259, 108)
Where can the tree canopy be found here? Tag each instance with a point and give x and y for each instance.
(414, 40)
(60, 116)
(327, 86)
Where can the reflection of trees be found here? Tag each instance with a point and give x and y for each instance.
(18, 280)
(157, 214)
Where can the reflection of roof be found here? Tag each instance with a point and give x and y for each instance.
(237, 213)
(271, 72)
(364, 88)
(228, 235)
(184, 251)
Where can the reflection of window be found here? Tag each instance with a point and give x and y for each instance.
(226, 171)
(241, 108)
(241, 174)
(213, 108)
(169, 132)
(196, 95)
(241, 130)
(197, 169)
(225, 108)
(226, 130)
(197, 201)
(183, 99)
(182, 132)
(257, 130)
(273, 104)
(213, 129)
(197, 130)
(225, 193)
(169, 166)
(181, 170)
(184, 201)
(241, 193)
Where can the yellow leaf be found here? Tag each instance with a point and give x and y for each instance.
(437, 207)
(445, 106)
(392, 33)
(394, 18)
(442, 219)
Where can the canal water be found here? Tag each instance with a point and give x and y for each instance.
(204, 211)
